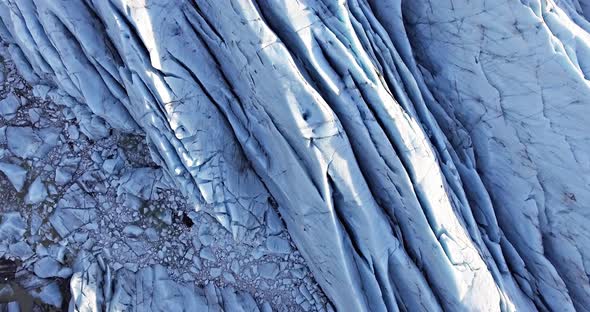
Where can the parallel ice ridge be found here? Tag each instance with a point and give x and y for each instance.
(427, 154)
(525, 107)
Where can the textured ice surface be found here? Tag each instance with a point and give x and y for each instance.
(9, 106)
(138, 219)
(149, 289)
(428, 155)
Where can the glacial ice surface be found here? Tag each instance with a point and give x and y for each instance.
(421, 155)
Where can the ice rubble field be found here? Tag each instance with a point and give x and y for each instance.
(295, 155)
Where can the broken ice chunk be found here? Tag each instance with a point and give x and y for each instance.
(47, 267)
(37, 192)
(41, 91)
(63, 175)
(73, 211)
(2, 136)
(140, 182)
(9, 106)
(20, 250)
(215, 272)
(114, 164)
(274, 223)
(278, 245)
(13, 306)
(23, 142)
(73, 132)
(12, 227)
(151, 234)
(228, 277)
(15, 174)
(66, 170)
(207, 254)
(132, 231)
(268, 270)
(34, 115)
(49, 294)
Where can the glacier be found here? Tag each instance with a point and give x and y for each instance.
(423, 155)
